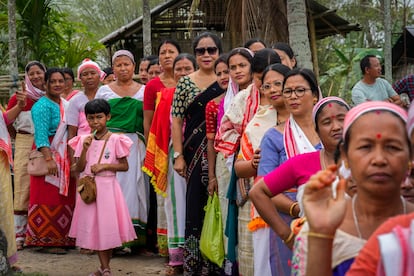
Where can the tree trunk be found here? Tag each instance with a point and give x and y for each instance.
(146, 27)
(298, 32)
(387, 40)
(13, 68)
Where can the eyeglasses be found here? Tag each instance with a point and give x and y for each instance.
(268, 86)
(202, 51)
(299, 92)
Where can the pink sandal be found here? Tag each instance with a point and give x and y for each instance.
(106, 272)
(97, 273)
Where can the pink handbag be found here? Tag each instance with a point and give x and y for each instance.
(37, 165)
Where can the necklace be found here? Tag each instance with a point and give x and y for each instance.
(354, 215)
(280, 122)
(99, 138)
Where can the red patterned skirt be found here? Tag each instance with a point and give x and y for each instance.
(50, 214)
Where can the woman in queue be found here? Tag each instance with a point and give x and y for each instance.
(159, 166)
(328, 117)
(90, 75)
(379, 159)
(167, 52)
(241, 110)
(269, 112)
(8, 240)
(22, 130)
(125, 97)
(192, 94)
(52, 197)
(287, 139)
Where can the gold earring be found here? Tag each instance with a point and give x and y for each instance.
(346, 164)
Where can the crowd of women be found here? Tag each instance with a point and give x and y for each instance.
(300, 178)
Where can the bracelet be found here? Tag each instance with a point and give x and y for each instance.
(49, 158)
(290, 238)
(211, 180)
(73, 166)
(294, 204)
(320, 235)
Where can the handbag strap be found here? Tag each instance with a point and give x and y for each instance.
(103, 148)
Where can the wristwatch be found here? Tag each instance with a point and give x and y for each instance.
(177, 154)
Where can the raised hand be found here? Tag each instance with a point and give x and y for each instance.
(324, 213)
(87, 142)
(21, 96)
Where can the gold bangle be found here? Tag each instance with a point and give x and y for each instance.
(320, 235)
(290, 238)
(211, 180)
(73, 166)
(294, 204)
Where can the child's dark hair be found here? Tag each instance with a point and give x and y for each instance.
(97, 106)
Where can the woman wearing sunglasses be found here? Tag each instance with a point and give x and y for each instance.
(191, 96)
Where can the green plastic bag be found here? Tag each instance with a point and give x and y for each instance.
(211, 240)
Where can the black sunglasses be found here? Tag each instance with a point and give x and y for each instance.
(201, 51)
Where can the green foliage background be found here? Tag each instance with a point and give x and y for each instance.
(339, 56)
(63, 32)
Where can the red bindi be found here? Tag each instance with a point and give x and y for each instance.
(378, 112)
(378, 135)
(329, 105)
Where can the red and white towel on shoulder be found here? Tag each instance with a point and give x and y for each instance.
(60, 153)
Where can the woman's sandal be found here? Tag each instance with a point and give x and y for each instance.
(97, 273)
(106, 272)
(20, 245)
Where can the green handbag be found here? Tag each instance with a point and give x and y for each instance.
(211, 240)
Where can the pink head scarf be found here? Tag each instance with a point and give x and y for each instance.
(123, 53)
(410, 121)
(370, 106)
(87, 63)
(323, 101)
(33, 92)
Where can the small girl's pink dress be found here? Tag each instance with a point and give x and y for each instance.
(106, 223)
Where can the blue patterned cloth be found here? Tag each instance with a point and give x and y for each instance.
(46, 118)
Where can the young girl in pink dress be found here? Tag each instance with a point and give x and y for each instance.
(104, 224)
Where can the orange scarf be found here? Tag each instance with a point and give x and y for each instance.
(156, 159)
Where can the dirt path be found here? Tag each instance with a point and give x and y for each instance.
(74, 263)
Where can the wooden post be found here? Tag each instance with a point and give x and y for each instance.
(314, 49)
